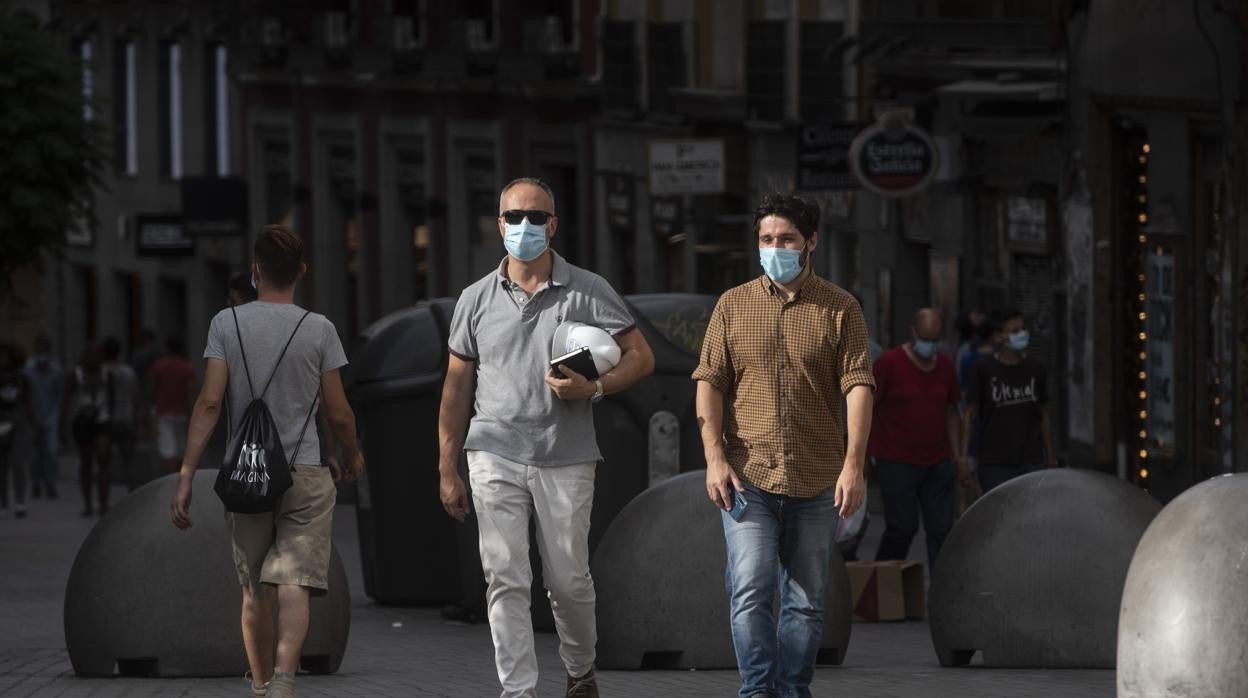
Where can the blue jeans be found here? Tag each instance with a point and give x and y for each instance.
(785, 543)
(46, 468)
(903, 486)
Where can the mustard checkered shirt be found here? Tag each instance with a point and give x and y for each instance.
(784, 368)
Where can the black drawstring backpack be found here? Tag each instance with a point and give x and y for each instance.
(256, 472)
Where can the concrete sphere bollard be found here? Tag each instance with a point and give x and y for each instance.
(145, 599)
(1032, 573)
(659, 577)
(1184, 624)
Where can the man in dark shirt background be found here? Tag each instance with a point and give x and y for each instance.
(1006, 399)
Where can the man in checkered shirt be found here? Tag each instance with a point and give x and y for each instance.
(783, 352)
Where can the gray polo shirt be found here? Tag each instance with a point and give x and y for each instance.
(517, 415)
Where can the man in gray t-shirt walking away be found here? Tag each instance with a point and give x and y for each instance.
(531, 446)
(284, 553)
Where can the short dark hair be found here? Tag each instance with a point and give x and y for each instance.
(175, 345)
(998, 318)
(533, 181)
(279, 252)
(241, 284)
(110, 348)
(803, 214)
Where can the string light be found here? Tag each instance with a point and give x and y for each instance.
(1142, 310)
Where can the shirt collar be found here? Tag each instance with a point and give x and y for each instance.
(808, 277)
(560, 271)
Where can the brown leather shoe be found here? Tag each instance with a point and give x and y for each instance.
(584, 687)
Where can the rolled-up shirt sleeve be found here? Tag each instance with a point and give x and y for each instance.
(715, 364)
(853, 355)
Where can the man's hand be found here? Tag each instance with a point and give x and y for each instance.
(851, 490)
(335, 468)
(721, 480)
(964, 472)
(180, 507)
(572, 387)
(454, 495)
(355, 468)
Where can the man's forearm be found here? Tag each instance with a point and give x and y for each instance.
(452, 425)
(632, 368)
(968, 423)
(343, 429)
(710, 410)
(204, 417)
(858, 405)
(953, 425)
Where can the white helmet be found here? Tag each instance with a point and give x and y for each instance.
(571, 336)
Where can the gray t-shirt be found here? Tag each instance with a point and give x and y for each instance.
(315, 350)
(517, 415)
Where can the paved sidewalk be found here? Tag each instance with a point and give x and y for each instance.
(413, 652)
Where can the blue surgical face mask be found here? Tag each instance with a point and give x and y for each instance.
(524, 241)
(925, 348)
(781, 265)
(1018, 340)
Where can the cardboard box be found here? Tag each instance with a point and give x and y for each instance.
(887, 590)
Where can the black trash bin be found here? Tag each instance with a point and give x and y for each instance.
(408, 545)
(649, 432)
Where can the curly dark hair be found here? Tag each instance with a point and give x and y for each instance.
(804, 215)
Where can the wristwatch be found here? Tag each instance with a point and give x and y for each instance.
(598, 394)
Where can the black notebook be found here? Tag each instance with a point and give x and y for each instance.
(581, 361)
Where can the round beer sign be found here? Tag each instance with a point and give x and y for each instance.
(893, 159)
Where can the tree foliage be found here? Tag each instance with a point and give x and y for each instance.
(50, 156)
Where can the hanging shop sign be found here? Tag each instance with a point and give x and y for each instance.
(687, 167)
(666, 216)
(823, 156)
(893, 158)
(158, 235)
(621, 202)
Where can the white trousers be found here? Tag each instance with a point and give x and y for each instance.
(506, 495)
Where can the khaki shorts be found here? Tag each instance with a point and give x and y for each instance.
(290, 545)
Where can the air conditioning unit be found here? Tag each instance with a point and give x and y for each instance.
(271, 34)
(476, 36)
(404, 34)
(336, 29)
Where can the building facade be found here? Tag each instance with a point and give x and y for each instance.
(383, 132)
(154, 78)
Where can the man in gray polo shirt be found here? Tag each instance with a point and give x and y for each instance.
(531, 445)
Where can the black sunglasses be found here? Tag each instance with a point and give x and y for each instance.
(535, 217)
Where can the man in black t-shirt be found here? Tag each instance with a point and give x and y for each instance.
(1006, 399)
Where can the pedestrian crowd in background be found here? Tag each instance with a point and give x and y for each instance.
(973, 421)
(114, 412)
